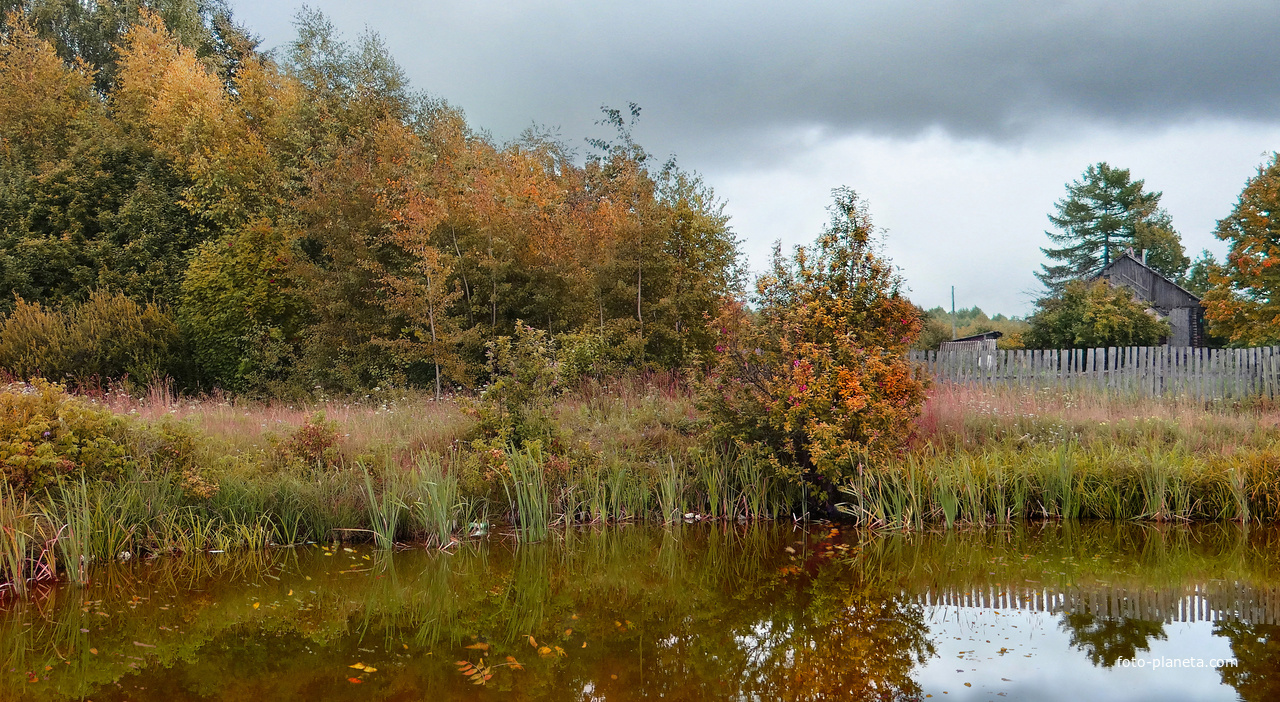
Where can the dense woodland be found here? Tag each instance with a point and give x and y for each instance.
(175, 202)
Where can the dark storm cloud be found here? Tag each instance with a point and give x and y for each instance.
(712, 76)
(985, 69)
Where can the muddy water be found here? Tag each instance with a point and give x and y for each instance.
(706, 612)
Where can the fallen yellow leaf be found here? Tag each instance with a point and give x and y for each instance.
(255, 605)
(94, 651)
(479, 646)
(290, 594)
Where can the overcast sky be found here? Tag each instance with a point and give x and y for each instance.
(959, 122)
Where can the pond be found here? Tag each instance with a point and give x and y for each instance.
(780, 611)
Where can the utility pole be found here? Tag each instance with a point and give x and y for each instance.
(953, 313)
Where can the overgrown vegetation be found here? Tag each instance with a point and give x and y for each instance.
(175, 203)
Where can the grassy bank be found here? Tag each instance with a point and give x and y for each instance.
(106, 475)
(985, 456)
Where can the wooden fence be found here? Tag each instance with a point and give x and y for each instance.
(1145, 370)
(1214, 601)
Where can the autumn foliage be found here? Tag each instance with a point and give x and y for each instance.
(308, 220)
(1243, 304)
(817, 373)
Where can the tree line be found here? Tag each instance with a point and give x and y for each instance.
(174, 201)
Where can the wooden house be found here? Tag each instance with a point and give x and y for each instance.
(1165, 298)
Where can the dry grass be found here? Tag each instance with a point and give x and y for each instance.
(397, 427)
(957, 418)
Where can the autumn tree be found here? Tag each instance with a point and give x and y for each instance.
(90, 33)
(1243, 304)
(314, 221)
(1093, 315)
(817, 374)
(420, 292)
(1105, 212)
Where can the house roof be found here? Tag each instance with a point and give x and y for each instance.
(1128, 261)
(981, 337)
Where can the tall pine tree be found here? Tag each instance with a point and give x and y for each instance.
(1104, 213)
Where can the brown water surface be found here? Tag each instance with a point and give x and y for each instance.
(699, 612)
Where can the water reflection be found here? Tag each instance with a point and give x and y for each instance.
(1256, 647)
(1107, 640)
(707, 612)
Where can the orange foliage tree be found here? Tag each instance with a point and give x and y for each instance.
(1243, 304)
(817, 373)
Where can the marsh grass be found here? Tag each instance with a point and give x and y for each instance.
(632, 449)
(439, 509)
(386, 507)
(528, 493)
(71, 510)
(1070, 482)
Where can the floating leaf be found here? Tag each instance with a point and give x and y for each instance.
(533, 642)
(290, 594)
(479, 646)
(94, 651)
(568, 632)
(544, 651)
(255, 605)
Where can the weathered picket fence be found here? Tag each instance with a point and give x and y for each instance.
(1212, 601)
(1144, 370)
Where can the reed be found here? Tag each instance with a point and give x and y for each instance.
(671, 487)
(440, 509)
(385, 510)
(71, 513)
(15, 541)
(712, 472)
(528, 493)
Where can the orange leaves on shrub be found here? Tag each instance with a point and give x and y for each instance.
(817, 374)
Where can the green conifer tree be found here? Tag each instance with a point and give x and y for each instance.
(1104, 213)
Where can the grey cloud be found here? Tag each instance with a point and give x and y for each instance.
(720, 70)
(721, 79)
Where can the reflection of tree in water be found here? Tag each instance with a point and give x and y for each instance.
(851, 640)
(1106, 641)
(1256, 647)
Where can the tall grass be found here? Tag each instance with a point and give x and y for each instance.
(385, 509)
(1068, 482)
(71, 510)
(671, 497)
(528, 493)
(440, 509)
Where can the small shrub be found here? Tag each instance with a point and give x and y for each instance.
(315, 444)
(46, 434)
(818, 375)
(515, 408)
